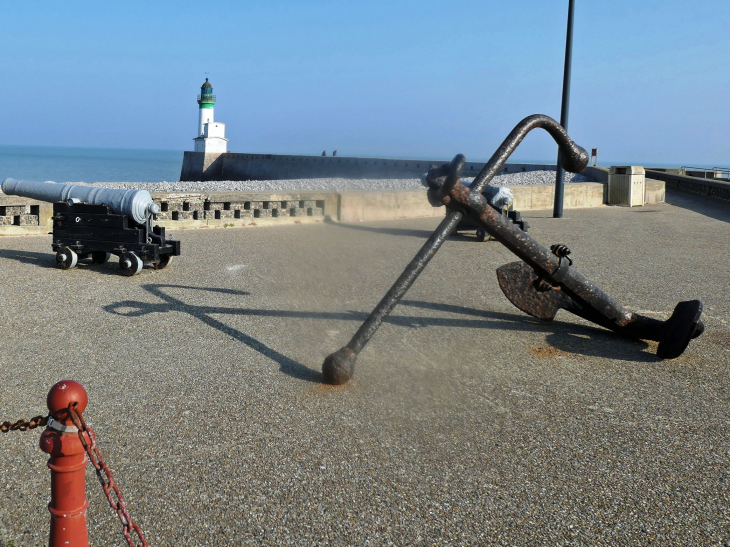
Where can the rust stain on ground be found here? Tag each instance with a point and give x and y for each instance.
(322, 389)
(546, 351)
(721, 339)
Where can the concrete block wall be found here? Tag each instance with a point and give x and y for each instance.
(217, 208)
(235, 208)
(654, 191)
(599, 174)
(22, 215)
(366, 206)
(577, 195)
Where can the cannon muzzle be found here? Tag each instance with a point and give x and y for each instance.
(137, 204)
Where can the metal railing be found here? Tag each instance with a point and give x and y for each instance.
(206, 97)
(705, 172)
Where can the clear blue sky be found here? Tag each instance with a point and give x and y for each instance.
(651, 79)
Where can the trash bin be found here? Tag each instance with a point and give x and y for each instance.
(626, 186)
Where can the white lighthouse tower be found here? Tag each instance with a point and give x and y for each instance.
(211, 134)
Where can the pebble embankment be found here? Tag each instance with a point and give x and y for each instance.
(329, 184)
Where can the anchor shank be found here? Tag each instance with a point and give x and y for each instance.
(541, 259)
(639, 326)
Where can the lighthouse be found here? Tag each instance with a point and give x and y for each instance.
(211, 134)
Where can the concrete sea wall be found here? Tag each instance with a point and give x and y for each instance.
(181, 210)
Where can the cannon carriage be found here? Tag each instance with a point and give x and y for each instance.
(95, 223)
(500, 199)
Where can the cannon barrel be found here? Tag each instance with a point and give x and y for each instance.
(137, 204)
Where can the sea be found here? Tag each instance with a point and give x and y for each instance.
(66, 164)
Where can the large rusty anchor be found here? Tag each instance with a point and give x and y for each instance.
(542, 283)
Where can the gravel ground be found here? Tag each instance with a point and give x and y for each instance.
(467, 423)
(336, 184)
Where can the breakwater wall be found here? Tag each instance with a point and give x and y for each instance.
(238, 166)
(711, 189)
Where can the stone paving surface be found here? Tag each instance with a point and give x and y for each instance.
(467, 423)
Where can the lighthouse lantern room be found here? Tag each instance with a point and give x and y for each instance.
(211, 134)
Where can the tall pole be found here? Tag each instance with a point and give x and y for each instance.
(559, 185)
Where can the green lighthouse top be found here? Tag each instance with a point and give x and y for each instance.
(206, 99)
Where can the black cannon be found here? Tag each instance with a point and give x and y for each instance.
(542, 283)
(93, 222)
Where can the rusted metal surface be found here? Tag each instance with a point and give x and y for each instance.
(525, 289)
(587, 300)
(543, 283)
(339, 366)
(542, 299)
(573, 158)
(107, 481)
(24, 425)
(561, 251)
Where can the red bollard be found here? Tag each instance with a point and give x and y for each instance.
(68, 467)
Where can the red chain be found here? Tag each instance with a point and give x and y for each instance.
(108, 485)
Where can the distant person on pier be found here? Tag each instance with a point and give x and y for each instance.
(334, 153)
(324, 152)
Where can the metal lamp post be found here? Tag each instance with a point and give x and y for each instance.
(559, 185)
